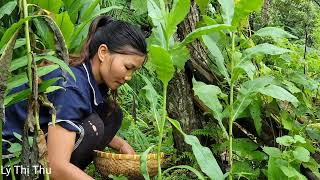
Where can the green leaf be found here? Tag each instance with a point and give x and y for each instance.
(291, 172)
(246, 149)
(19, 62)
(89, 10)
(244, 169)
(78, 29)
(22, 61)
(291, 86)
(21, 78)
(274, 32)
(286, 120)
(52, 88)
(59, 62)
(313, 131)
(195, 171)
(47, 83)
(272, 151)
(7, 8)
(299, 138)
(18, 136)
(180, 56)
(203, 31)
(227, 7)
(177, 14)
(15, 148)
(202, 5)
(248, 67)
(246, 92)
(278, 93)
(19, 43)
(255, 112)
(74, 8)
(161, 59)
(205, 158)
(44, 33)
(16, 97)
(274, 171)
(243, 8)
(9, 32)
(66, 26)
(143, 163)
(301, 154)
(155, 13)
(51, 5)
(152, 96)
(285, 140)
(139, 6)
(264, 48)
(216, 53)
(208, 94)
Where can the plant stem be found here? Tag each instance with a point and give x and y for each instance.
(231, 108)
(164, 114)
(26, 32)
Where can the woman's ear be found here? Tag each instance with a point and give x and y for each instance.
(103, 52)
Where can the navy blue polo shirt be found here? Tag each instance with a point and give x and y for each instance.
(76, 101)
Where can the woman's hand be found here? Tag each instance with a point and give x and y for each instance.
(121, 145)
(126, 149)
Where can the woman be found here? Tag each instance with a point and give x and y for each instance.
(86, 120)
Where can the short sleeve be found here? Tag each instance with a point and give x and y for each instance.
(71, 106)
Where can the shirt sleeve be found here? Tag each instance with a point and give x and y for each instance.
(71, 106)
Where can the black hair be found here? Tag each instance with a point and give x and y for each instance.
(119, 36)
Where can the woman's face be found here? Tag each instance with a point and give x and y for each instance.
(116, 69)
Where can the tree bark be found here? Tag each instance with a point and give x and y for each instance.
(265, 12)
(180, 104)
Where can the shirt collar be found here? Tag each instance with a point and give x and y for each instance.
(97, 97)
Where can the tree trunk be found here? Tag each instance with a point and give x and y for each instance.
(180, 99)
(265, 12)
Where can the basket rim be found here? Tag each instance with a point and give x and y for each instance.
(109, 155)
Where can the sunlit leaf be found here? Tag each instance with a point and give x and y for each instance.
(66, 26)
(278, 93)
(301, 154)
(243, 8)
(208, 94)
(203, 31)
(89, 10)
(264, 48)
(227, 7)
(274, 32)
(160, 58)
(178, 12)
(180, 56)
(51, 5)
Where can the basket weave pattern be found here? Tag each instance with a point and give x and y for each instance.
(125, 164)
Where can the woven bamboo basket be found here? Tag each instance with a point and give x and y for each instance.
(125, 164)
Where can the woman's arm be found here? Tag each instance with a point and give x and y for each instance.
(121, 145)
(60, 147)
